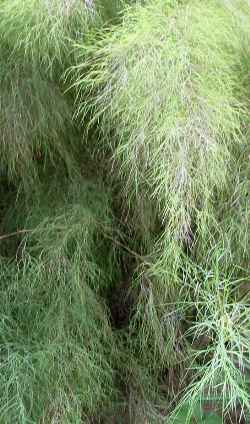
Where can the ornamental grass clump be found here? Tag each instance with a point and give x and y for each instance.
(124, 211)
(57, 346)
(36, 125)
(164, 86)
(36, 49)
(219, 347)
(41, 31)
(165, 94)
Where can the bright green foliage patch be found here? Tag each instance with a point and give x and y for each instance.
(164, 91)
(171, 92)
(41, 31)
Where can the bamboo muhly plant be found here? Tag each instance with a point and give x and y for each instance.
(124, 284)
(165, 93)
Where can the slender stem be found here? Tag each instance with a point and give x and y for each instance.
(16, 233)
(133, 253)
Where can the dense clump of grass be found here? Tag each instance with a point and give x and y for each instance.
(41, 31)
(162, 91)
(58, 261)
(218, 337)
(172, 140)
(57, 347)
(36, 124)
(166, 94)
(36, 49)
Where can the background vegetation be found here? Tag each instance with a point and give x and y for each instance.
(124, 211)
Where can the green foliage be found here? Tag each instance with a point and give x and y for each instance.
(57, 346)
(158, 232)
(170, 92)
(41, 31)
(36, 49)
(183, 416)
(219, 356)
(35, 122)
(165, 92)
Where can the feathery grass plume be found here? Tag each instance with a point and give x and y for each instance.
(41, 30)
(35, 121)
(36, 37)
(164, 86)
(36, 124)
(219, 338)
(163, 89)
(233, 214)
(57, 347)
